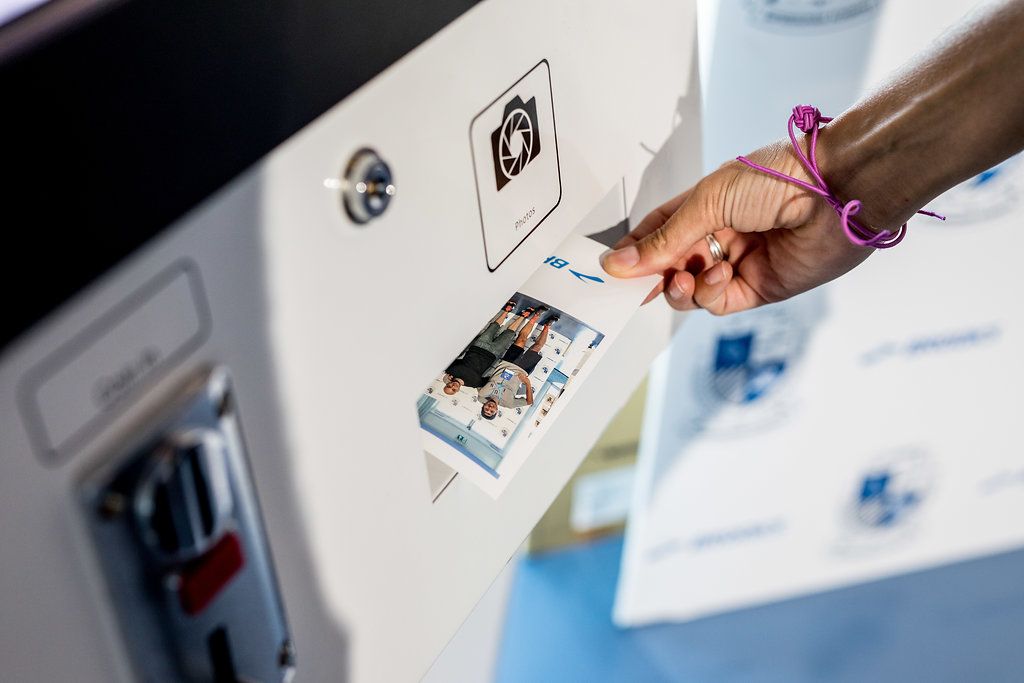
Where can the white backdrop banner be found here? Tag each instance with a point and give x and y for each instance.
(860, 430)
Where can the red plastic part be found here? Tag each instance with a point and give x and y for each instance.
(203, 578)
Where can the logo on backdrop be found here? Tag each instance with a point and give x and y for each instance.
(716, 539)
(886, 499)
(516, 141)
(1004, 480)
(740, 376)
(749, 359)
(804, 14)
(988, 195)
(930, 344)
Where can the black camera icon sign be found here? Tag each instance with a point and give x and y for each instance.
(516, 142)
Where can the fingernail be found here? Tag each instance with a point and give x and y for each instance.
(715, 275)
(621, 259)
(675, 291)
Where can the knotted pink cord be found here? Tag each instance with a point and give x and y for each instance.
(808, 119)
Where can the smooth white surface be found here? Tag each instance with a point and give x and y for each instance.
(331, 331)
(472, 653)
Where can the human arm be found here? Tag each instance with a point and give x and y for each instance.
(953, 112)
(525, 379)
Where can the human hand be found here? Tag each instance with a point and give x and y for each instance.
(780, 239)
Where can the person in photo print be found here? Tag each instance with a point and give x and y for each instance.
(509, 384)
(471, 368)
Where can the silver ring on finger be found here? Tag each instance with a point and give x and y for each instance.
(718, 253)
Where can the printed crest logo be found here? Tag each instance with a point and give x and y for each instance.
(743, 366)
(750, 357)
(740, 377)
(516, 142)
(887, 499)
(802, 14)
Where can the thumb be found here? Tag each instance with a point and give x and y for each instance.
(665, 246)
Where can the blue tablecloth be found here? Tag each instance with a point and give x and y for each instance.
(963, 622)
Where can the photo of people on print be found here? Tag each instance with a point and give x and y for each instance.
(487, 410)
(504, 383)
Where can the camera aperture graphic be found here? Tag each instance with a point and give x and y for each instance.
(516, 142)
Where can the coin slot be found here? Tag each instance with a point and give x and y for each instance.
(179, 538)
(221, 661)
(202, 490)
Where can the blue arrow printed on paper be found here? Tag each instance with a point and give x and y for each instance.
(585, 277)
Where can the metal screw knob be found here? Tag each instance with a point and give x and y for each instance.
(367, 187)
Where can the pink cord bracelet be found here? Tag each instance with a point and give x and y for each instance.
(808, 119)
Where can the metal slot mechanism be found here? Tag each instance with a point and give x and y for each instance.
(178, 534)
